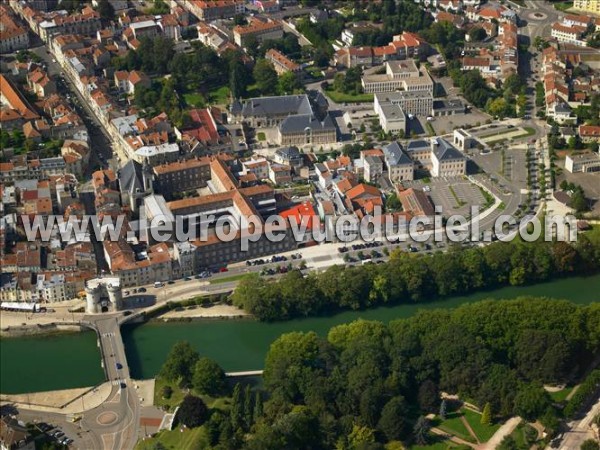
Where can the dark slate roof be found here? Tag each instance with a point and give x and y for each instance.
(419, 144)
(395, 156)
(131, 177)
(445, 151)
(277, 106)
(300, 122)
(288, 152)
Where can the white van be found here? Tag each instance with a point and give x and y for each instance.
(158, 284)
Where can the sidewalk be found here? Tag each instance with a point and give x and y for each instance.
(68, 401)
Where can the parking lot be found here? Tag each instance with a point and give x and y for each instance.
(454, 195)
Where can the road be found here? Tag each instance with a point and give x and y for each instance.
(580, 430)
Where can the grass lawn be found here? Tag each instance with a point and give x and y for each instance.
(437, 443)
(219, 96)
(261, 136)
(454, 425)
(563, 6)
(176, 440)
(228, 279)
(194, 99)
(175, 399)
(483, 432)
(561, 396)
(429, 129)
(341, 97)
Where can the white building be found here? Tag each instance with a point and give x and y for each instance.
(585, 163)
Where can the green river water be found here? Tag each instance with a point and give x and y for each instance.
(66, 361)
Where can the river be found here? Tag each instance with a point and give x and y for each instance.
(72, 360)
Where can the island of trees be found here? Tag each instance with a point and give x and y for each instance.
(368, 385)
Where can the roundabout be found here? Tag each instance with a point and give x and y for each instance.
(537, 16)
(107, 418)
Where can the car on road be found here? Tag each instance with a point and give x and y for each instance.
(142, 289)
(119, 366)
(187, 279)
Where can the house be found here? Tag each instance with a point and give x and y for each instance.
(373, 169)
(13, 36)
(14, 436)
(289, 156)
(280, 174)
(214, 9)
(569, 34)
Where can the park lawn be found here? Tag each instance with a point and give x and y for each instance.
(437, 443)
(195, 99)
(454, 425)
(341, 97)
(228, 279)
(261, 136)
(561, 396)
(483, 432)
(219, 96)
(176, 397)
(189, 439)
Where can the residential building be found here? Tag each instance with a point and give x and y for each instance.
(14, 436)
(259, 29)
(589, 133)
(214, 9)
(569, 34)
(280, 174)
(13, 36)
(373, 168)
(289, 156)
(591, 6)
(282, 63)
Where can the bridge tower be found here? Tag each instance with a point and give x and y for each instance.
(115, 295)
(93, 294)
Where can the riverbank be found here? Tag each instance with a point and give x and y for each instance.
(36, 329)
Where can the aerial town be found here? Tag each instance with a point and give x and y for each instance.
(251, 119)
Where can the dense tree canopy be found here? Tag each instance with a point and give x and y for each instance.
(408, 278)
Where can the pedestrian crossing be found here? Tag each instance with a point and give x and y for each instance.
(111, 334)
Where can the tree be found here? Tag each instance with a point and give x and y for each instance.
(508, 443)
(180, 362)
(531, 401)
(166, 391)
(106, 10)
(248, 407)
(192, 412)
(394, 420)
(429, 396)
(237, 408)
(486, 416)
(443, 410)
(421, 430)
(288, 83)
(265, 77)
(208, 377)
(258, 407)
(477, 34)
(590, 444)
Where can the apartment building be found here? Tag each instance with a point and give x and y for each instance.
(13, 36)
(569, 34)
(282, 63)
(259, 29)
(591, 6)
(214, 9)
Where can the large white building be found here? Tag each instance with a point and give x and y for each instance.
(399, 75)
(417, 103)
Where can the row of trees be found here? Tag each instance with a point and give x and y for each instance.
(410, 278)
(368, 381)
